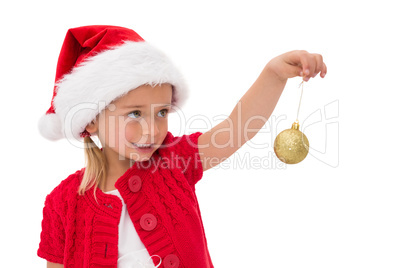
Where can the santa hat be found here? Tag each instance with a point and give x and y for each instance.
(98, 64)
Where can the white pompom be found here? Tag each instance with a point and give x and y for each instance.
(49, 126)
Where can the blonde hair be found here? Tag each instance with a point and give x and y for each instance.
(95, 170)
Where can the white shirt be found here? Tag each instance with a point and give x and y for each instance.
(132, 252)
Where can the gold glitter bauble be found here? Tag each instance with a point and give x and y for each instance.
(291, 145)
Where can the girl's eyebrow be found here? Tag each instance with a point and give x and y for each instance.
(141, 106)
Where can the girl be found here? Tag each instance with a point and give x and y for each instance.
(134, 204)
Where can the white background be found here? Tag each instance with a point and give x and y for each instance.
(340, 207)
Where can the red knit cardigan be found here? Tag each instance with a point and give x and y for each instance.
(160, 196)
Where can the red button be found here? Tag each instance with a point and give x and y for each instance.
(148, 222)
(171, 261)
(134, 183)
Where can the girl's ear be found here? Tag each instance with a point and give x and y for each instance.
(92, 127)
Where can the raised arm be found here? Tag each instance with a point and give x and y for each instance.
(256, 105)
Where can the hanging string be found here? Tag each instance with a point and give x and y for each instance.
(301, 95)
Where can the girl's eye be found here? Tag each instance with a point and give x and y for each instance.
(135, 113)
(164, 112)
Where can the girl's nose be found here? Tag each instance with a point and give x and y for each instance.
(149, 127)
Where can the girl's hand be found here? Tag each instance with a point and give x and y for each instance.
(298, 63)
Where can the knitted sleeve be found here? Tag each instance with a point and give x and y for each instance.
(186, 149)
(51, 246)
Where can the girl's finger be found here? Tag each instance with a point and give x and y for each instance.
(304, 63)
(324, 71)
(300, 63)
(319, 64)
(309, 65)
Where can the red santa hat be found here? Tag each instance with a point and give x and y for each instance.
(97, 65)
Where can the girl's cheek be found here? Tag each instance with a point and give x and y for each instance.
(130, 132)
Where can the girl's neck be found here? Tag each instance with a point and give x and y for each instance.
(115, 169)
(111, 179)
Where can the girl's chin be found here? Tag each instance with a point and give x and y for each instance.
(139, 158)
(141, 154)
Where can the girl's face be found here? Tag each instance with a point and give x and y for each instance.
(139, 117)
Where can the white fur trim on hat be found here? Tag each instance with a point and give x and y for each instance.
(103, 78)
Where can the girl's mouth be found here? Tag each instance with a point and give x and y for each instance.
(143, 147)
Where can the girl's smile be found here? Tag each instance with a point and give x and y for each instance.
(144, 148)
